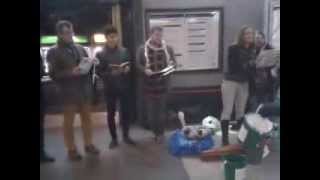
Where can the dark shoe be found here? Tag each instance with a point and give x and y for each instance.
(74, 155)
(238, 125)
(45, 158)
(91, 149)
(113, 144)
(159, 139)
(225, 132)
(129, 141)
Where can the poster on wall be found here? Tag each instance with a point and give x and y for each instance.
(173, 34)
(194, 37)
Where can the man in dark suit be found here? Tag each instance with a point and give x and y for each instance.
(116, 81)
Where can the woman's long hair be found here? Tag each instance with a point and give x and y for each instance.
(240, 37)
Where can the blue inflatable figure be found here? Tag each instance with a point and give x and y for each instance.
(179, 145)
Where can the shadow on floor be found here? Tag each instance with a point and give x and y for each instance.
(147, 161)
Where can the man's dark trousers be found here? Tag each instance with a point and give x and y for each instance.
(42, 115)
(111, 100)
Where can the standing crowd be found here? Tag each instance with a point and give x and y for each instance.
(241, 88)
(245, 86)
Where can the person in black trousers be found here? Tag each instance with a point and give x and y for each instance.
(261, 84)
(273, 108)
(44, 157)
(116, 82)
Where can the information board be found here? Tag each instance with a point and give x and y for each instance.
(194, 36)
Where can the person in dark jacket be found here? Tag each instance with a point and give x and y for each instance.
(44, 157)
(152, 57)
(64, 59)
(116, 84)
(261, 43)
(235, 86)
(261, 84)
(273, 108)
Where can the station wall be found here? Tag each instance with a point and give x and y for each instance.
(236, 13)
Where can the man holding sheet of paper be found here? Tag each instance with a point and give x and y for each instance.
(69, 67)
(114, 69)
(155, 60)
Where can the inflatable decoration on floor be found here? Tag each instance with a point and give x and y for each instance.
(252, 137)
(211, 123)
(251, 149)
(193, 139)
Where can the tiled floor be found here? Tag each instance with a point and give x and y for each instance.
(147, 161)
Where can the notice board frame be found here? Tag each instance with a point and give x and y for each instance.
(179, 11)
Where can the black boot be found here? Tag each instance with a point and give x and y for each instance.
(225, 132)
(45, 158)
(129, 141)
(238, 125)
(113, 144)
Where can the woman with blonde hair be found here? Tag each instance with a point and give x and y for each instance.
(235, 86)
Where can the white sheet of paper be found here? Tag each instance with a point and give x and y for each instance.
(242, 133)
(85, 66)
(266, 151)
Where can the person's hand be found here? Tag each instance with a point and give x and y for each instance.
(126, 69)
(86, 59)
(172, 63)
(76, 71)
(95, 61)
(274, 72)
(148, 72)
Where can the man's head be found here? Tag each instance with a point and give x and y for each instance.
(65, 31)
(112, 36)
(156, 34)
(260, 39)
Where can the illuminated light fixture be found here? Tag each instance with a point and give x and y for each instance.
(99, 38)
(80, 39)
(49, 40)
